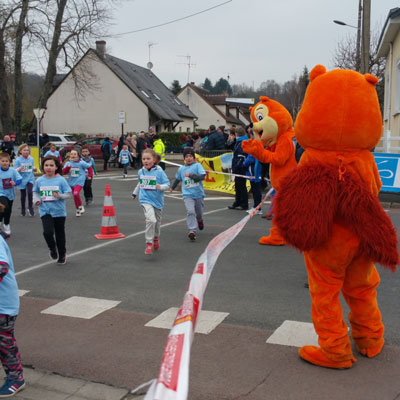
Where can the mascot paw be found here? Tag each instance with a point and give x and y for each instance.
(271, 241)
(314, 355)
(371, 351)
(253, 147)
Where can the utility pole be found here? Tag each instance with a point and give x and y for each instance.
(358, 45)
(366, 36)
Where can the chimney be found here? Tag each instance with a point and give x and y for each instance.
(101, 48)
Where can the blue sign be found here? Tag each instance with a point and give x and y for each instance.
(389, 171)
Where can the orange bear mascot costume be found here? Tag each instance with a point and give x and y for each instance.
(273, 128)
(329, 209)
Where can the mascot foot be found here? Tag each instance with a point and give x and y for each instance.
(371, 351)
(314, 355)
(269, 240)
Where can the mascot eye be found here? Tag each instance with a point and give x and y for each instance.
(259, 116)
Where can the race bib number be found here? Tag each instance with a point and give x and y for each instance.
(47, 192)
(74, 172)
(125, 157)
(27, 168)
(190, 183)
(148, 182)
(6, 183)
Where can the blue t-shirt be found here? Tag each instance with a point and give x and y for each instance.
(77, 172)
(190, 187)
(148, 194)
(91, 162)
(6, 176)
(124, 156)
(52, 153)
(27, 172)
(46, 187)
(9, 298)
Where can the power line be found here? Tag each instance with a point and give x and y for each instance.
(171, 22)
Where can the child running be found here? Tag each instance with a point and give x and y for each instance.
(124, 159)
(76, 168)
(9, 178)
(153, 182)
(25, 165)
(53, 152)
(87, 188)
(49, 193)
(191, 175)
(9, 308)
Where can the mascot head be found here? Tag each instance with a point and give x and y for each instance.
(269, 119)
(340, 111)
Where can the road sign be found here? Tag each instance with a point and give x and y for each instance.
(389, 171)
(39, 112)
(122, 117)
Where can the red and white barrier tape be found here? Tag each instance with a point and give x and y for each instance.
(173, 378)
(213, 172)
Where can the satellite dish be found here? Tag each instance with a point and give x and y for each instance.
(149, 65)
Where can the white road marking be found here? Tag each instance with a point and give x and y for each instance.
(207, 320)
(22, 292)
(294, 333)
(104, 244)
(81, 307)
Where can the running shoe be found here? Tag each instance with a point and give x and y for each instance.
(156, 243)
(10, 388)
(200, 223)
(192, 236)
(148, 249)
(62, 259)
(54, 254)
(7, 229)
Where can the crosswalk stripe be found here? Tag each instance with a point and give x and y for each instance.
(294, 333)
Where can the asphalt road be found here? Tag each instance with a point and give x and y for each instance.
(259, 286)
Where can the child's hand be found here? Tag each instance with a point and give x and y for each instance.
(12, 183)
(170, 189)
(34, 169)
(187, 174)
(89, 178)
(133, 196)
(19, 169)
(56, 195)
(158, 187)
(38, 203)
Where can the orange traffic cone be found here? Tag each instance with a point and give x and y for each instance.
(109, 228)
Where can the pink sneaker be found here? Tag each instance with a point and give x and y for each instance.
(156, 243)
(148, 249)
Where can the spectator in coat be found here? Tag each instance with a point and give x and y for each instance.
(8, 147)
(106, 149)
(141, 146)
(216, 139)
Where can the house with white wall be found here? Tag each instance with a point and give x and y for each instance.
(214, 109)
(389, 47)
(117, 86)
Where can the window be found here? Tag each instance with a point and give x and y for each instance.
(177, 102)
(54, 138)
(156, 96)
(145, 94)
(397, 89)
(89, 141)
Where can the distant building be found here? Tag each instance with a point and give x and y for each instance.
(117, 86)
(389, 47)
(215, 109)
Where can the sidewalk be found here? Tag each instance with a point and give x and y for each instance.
(48, 386)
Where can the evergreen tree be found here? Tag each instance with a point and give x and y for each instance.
(175, 87)
(222, 86)
(207, 85)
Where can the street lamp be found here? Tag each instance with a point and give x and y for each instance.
(343, 23)
(358, 45)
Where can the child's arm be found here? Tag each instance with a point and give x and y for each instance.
(90, 173)
(163, 187)
(136, 191)
(197, 177)
(175, 184)
(66, 169)
(93, 166)
(36, 198)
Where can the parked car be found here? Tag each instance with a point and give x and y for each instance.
(93, 143)
(61, 140)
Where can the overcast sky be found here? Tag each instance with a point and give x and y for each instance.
(251, 40)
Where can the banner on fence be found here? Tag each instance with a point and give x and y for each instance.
(219, 182)
(389, 170)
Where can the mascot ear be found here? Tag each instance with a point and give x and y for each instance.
(317, 71)
(264, 98)
(371, 79)
(250, 108)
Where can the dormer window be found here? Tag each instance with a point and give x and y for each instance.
(156, 96)
(177, 102)
(145, 94)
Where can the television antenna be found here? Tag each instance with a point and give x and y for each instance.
(150, 64)
(189, 64)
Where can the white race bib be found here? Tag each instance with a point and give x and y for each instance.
(47, 192)
(190, 183)
(74, 172)
(26, 167)
(124, 157)
(148, 182)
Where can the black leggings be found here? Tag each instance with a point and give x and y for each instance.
(28, 189)
(54, 226)
(6, 214)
